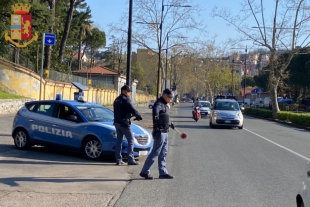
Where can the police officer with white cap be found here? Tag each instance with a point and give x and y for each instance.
(123, 111)
(160, 134)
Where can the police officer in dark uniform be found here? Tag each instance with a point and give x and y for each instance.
(160, 134)
(123, 111)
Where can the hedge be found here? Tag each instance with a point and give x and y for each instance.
(302, 119)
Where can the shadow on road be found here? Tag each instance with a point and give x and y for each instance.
(49, 156)
(7, 134)
(191, 126)
(12, 181)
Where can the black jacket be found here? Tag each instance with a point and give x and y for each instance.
(160, 107)
(123, 109)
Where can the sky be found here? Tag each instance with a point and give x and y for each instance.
(105, 12)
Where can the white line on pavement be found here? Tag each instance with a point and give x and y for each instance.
(287, 149)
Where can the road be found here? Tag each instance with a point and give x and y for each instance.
(259, 166)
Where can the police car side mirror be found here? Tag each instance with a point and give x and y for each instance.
(73, 118)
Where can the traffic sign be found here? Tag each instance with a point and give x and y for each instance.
(49, 39)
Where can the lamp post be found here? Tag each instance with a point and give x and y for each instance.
(128, 66)
(160, 39)
(172, 68)
(244, 82)
(232, 77)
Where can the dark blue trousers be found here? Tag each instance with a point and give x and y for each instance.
(160, 150)
(121, 131)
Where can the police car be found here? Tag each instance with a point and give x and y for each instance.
(74, 125)
(303, 198)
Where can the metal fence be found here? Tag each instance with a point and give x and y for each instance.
(8, 54)
(63, 77)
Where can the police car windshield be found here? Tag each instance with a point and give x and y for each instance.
(96, 113)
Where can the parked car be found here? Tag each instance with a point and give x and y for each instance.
(226, 112)
(73, 125)
(151, 103)
(266, 102)
(302, 198)
(247, 102)
(286, 101)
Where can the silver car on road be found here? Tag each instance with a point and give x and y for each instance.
(226, 112)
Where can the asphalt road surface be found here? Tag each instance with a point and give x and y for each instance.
(260, 166)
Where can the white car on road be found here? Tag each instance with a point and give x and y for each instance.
(226, 112)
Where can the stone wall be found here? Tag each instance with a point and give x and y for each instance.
(10, 106)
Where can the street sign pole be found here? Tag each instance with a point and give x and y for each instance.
(48, 39)
(42, 59)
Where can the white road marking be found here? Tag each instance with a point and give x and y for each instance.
(287, 149)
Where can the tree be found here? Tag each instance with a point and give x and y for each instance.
(137, 73)
(299, 70)
(287, 28)
(249, 82)
(176, 21)
(85, 26)
(261, 80)
(94, 41)
(72, 7)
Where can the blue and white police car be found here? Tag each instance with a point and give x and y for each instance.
(73, 125)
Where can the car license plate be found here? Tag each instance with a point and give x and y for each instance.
(227, 121)
(142, 153)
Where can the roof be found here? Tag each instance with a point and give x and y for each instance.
(69, 102)
(96, 70)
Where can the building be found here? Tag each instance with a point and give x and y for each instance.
(104, 77)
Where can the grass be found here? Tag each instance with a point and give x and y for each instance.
(4, 95)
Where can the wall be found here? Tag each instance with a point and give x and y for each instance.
(10, 106)
(19, 80)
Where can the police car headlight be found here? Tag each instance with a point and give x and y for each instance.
(113, 133)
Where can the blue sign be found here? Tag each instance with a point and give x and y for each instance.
(49, 39)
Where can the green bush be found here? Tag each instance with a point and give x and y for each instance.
(295, 118)
(265, 113)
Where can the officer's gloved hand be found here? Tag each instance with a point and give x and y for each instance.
(138, 118)
(172, 125)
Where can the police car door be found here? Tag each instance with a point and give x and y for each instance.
(67, 127)
(40, 122)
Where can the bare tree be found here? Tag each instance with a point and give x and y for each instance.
(176, 20)
(287, 28)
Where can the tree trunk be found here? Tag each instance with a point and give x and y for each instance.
(65, 35)
(304, 92)
(48, 48)
(80, 49)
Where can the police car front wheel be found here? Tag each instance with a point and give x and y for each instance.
(92, 148)
(21, 139)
